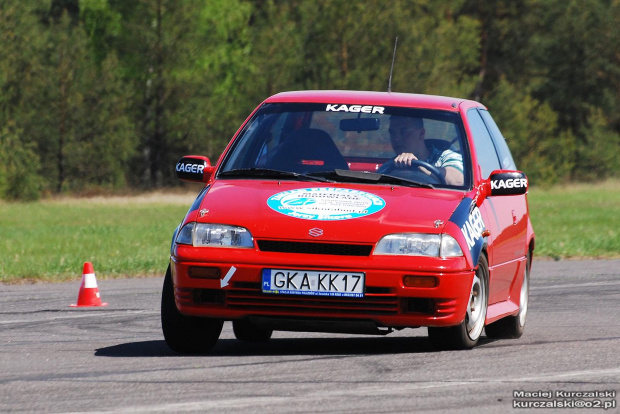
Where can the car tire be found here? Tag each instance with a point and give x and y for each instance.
(467, 334)
(513, 326)
(186, 334)
(246, 331)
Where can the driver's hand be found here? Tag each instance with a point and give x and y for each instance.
(404, 160)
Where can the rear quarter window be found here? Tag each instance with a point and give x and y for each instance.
(486, 152)
(505, 157)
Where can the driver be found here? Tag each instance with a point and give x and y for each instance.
(407, 138)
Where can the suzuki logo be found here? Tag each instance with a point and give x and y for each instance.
(315, 232)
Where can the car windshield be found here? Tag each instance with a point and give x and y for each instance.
(349, 143)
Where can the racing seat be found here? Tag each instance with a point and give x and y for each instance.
(306, 151)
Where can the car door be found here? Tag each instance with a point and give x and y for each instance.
(505, 216)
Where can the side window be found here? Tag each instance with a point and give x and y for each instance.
(504, 152)
(485, 149)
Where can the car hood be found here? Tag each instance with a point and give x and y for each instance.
(319, 212)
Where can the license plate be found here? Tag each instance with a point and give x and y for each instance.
(313, 283)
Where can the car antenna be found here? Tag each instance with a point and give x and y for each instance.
(392, 68)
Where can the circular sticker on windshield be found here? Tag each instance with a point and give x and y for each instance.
(325, 204)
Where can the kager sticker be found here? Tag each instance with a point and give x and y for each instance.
(468, 218)
(509, 183)
(191, 168)
(325, 203)
(367, 109)
(473, 227)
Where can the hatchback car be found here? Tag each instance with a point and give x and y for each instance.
(353, 212)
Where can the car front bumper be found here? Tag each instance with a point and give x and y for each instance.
(387, 302)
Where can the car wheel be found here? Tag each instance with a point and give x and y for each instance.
(466, 335)
(186, 334)
(513, 326)
(248, 332)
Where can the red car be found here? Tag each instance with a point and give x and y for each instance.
(353, 212)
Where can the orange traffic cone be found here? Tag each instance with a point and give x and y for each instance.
(89, 292)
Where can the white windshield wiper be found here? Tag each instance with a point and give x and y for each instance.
(269, 173)
(364, 176)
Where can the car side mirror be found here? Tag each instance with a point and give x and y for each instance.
(194, 168)
(502, 182)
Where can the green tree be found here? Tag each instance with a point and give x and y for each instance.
(574, 43)
(63, 86)
(349, 45)
(276, 36)
(561, 57)
(539, 145)
(20, 63)
(18, 163)
(103, 26)
(98, 154)
(502, 39)
(162, 56)
(576, 68)
(599, 155)
(83, 133)
(108, 93)
(218, 82)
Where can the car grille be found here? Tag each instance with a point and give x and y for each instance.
(377, 301)
(314, 248)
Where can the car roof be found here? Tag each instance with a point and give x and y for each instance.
(374, 98)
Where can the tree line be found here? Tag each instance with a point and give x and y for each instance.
(108, 94)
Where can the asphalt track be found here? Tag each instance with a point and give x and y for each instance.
(55, 359)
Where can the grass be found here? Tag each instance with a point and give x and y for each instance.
(577, 221)
(130, 236)
(51, 240)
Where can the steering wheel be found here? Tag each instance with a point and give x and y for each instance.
(391, 166)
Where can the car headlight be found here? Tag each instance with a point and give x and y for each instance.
(419, 244)
(214, 235)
